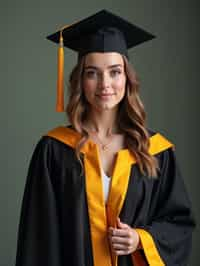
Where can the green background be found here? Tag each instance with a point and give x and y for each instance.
(168, 67)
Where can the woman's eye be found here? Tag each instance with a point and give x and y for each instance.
(90, 74)
(115, 73)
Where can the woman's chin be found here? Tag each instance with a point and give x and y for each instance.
(106, 106)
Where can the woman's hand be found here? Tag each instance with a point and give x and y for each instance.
(123, 239)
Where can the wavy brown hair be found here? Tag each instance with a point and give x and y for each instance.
(131, 113)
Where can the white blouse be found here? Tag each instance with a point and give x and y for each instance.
(106, 184)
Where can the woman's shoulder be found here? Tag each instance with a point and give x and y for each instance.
(48, 147)
(151, 132)
(159, 142)
(158, 135)
(56, 136)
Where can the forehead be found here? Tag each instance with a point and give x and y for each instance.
(103, 60)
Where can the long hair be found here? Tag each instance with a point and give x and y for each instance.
(131, 121)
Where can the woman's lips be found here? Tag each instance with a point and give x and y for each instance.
(105, 96)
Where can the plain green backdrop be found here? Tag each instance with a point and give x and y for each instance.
(168, 67)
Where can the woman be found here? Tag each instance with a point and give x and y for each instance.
(105, 190)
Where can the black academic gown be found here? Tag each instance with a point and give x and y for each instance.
(64, 219)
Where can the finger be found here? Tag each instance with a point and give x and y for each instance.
(121, 232)
(119, 240)
(120, 224)
(121, 252)
(110, 230)
(119, 247)
(126, 242)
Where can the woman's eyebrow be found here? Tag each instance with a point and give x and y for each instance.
(116, 65)
(93, 67)
(96, 68)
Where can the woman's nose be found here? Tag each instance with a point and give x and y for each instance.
(104, 81)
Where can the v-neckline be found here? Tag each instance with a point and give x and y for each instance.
(104, 174)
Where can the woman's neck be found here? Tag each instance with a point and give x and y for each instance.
(102, 122)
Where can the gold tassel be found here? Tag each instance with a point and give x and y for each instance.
(60, 78)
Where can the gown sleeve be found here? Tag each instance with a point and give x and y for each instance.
(167, 239)
(38, 232)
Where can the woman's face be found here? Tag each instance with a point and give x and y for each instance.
(104, 80)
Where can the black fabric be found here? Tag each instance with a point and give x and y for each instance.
(104, 40)
(54, 225)
(162, 207)
(101, 32)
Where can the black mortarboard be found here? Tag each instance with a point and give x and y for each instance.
(101, 32)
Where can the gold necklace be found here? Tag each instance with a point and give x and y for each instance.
(104, 146)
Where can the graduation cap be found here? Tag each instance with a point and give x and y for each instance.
(101, 32)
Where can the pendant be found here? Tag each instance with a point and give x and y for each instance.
(104, 147)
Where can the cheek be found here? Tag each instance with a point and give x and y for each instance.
(120, 87)
(89, 87)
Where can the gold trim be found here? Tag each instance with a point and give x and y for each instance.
(96, 209)
(149, 248)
